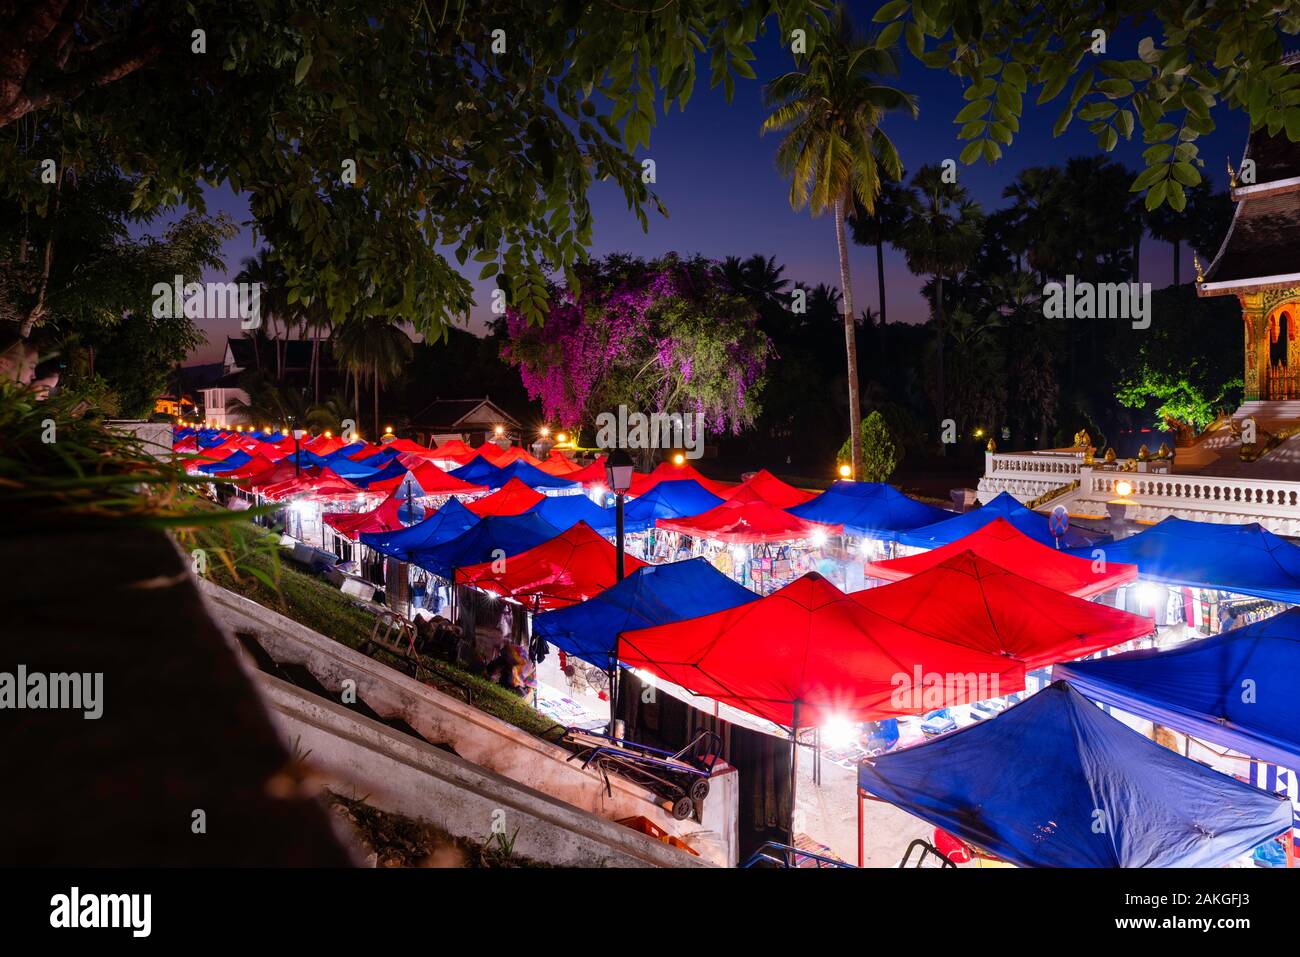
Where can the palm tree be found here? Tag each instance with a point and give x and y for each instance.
(942, 232)
(267, 271)
(883, 226)
(834, 151)
(373, 349)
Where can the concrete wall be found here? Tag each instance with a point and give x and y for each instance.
(359, 757)
(480, 738)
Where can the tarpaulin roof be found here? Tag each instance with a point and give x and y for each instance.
(593, 474)
(256, 465)
(455, 451)
(671, 471)
(870, 509)
(531, 476)
(680, 498)
(557, 463)
(492, 537)
(481, 472)
(386, 475)
(1033, 785)
(326, 484)
(323, 444)
(772, 490)
(575, 565)
(383, 518)
(284, 471)
(1001, 543)
(1247, 559)
(565, 511)
(448, 522)
(1028, 522)
(810, 643)
(377, 460)
(422, 479)
(970, 601)
(1236, 689)
(516, 453)
(513, 498)
(406, 445)
(747, 518)
(345, 451)
(651, 595)
(227, 463)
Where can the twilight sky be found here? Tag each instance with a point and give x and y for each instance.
(718, 180)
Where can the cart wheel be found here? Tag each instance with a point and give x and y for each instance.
(683, 808)
(699, 789)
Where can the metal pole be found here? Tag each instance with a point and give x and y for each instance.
(794, 769)
(618, 576)
(862, 837)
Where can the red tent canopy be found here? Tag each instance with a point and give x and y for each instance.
(811, 644)
(284, 471)
(257, 465)
(671, 472)
(557, 463)
(970, 601)
(573, 566)
(433, 480)
(382, 518)
(746, 517)
(1003, 545)
(325, 484)
(514, 454)
(513, 498)
(594, 474)
(406, 445)
(367, 449)
(773, 491)
(324, 444)
(454, 451)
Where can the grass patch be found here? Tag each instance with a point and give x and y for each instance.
(259, 574)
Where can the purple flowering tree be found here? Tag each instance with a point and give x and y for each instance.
(670, 335)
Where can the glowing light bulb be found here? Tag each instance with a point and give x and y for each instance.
(845, 471)
(679, 459)
(1125, 489)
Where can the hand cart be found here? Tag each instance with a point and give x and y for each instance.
(680, 778)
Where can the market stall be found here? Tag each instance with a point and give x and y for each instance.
(1025, 520)
(1055, 782)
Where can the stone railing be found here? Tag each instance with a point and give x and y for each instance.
(1028, 475)
(1272, 502)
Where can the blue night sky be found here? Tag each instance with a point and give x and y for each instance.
(717, 178)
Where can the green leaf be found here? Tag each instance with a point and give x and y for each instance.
(1156, 194)
(891, 11)
(489, 270)
(303, 66)
(1177, 198)
(1186, 174)
(972, 111)
(972, 152)
(889, 36)
(1014, 74)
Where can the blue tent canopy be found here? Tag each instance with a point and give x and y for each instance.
(207, 438)
(679, 498)
(1236, 689)
(479, 471)
(1247, 559)
(1025, 520)
(1035, 785)
(231, 462)
(565, 511)
(488, 538)
(344, 451)
(870, 509)
(448, 522)
(652, 595)
(389, 471)
(351, 470)
(380, 458)
(307, 459)
(531, 476)
(270, 436)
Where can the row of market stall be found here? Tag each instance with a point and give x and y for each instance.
(753, 597)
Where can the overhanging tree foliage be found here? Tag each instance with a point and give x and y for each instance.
(374, 139)
(1210, 52)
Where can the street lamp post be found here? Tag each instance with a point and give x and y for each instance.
(618, 473)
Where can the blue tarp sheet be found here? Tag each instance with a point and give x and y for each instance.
(350, 470)
(653, 595)
(531, 476)
(344, 451)
(565, 511)
(679, 498)
(1056, 782)
(1236, 689)
(492, 537)
(1005, 506)
(869, 509)
(386, 472)
(1246, 559)
(479, 471)
(448, 522)
(231, 462)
